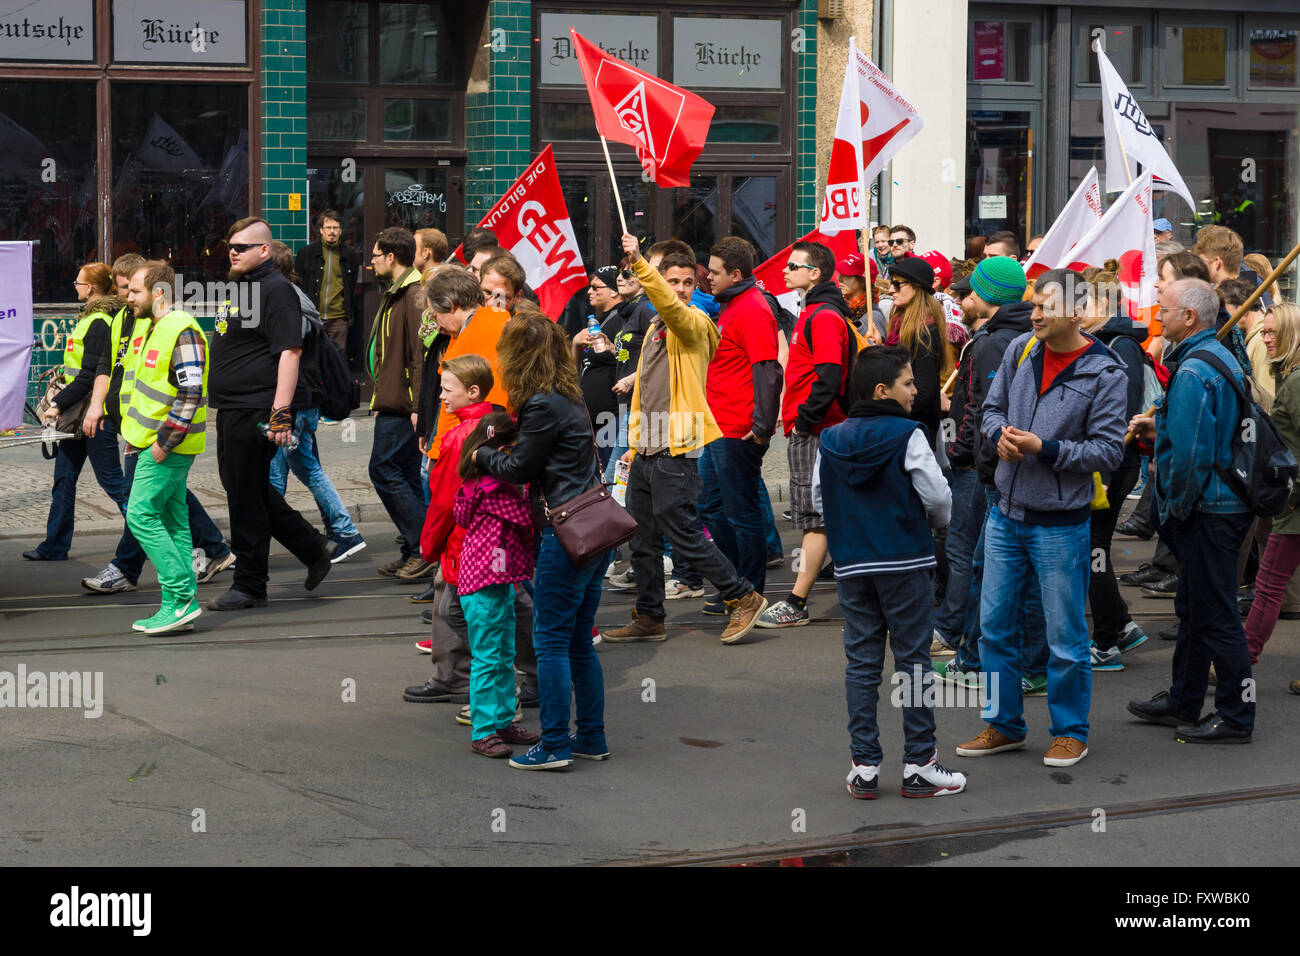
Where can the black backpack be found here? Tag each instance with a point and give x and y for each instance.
(340, 390)
(1263, 470)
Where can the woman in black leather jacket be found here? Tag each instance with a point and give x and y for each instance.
(555, 454)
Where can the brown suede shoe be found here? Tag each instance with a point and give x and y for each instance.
(989, 742)
(640, 629)
(1065, 752)
(744, 614)
(491, 746)
(392, 567)
(518, 734)
(415, 568)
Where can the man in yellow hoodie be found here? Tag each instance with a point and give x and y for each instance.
(668, 425)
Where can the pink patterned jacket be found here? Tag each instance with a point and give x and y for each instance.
(498, 546)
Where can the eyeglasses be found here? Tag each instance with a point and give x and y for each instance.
(792, 266)
(78, 284)
(380, 255)
(899, 242)
(242, 247)
(598, 288)
(1267, 333)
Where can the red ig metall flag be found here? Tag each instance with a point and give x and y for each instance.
(665, 124)
(532, 221)
(874, 123)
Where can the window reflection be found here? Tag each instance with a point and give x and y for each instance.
(1124, 48)
(413, 44)
(338, 45)
(1273, 59)
(336, 118)
(421, 120)
(1195, 56)
(695, 215)
(415, 198)
(753, 213)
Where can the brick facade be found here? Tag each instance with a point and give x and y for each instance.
(284, 118)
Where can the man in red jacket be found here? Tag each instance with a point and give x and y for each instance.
(743, 389)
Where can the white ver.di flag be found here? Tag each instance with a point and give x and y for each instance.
(1130, 139)
(1080, 214)
(1125, 235)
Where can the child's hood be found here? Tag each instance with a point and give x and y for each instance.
(859, 450)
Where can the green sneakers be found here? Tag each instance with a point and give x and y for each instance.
(1034, 686)
(170, 617)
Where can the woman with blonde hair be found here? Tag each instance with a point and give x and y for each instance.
(1281, 334)
(917, 323)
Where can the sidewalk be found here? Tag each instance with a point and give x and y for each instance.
(344, 451)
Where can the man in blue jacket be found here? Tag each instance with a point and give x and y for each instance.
(1056, 413)
(1203, 520)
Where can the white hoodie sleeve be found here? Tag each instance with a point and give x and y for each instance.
(927, 479)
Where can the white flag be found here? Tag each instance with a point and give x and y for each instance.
(1131, 140)
(1125, 235)
(1080, 214)
(874, 123)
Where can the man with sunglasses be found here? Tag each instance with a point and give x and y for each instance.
(253, 378)
(902, 240)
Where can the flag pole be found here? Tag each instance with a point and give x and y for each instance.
(609, 164)
(1029, 185)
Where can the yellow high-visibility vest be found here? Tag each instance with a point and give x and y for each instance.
(75, 350)
(152, 393)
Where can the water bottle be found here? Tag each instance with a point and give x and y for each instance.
(293, 436)
(597, 336)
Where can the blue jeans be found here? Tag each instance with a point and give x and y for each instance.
(395, 473)
(898, 608)
(205, 535)
(1060, 554)
(306, 466)
(774, 545)
(565, 598)
(71, 458)
(1033, 635)
(969, 505)
(730, 474)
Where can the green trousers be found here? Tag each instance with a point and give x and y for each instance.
(159, 517)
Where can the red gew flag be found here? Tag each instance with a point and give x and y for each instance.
(770, 276)
(532, 221)
(665, 124)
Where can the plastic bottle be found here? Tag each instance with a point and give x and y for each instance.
(293, 436)
(597, 336)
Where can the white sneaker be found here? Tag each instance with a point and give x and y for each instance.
(623, 582)
(668, 566)
(862, 781)
(108, 581)
(674, 590)
(213, 568)
(783, 614)
(931, 779)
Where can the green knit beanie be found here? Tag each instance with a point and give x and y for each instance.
(999, 280)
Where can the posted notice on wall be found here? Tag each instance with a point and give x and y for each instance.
(993, 207)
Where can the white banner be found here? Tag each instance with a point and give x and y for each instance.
(1125, 235)
(1080, 214)
(16, 326)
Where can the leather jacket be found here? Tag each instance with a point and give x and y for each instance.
(554, 452)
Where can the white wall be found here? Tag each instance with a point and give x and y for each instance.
(928, 182)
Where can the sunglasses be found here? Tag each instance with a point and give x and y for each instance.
(242, 247)
(898, 242)
(625, 274)
(791, 266)
(599, 288)
(895, 286)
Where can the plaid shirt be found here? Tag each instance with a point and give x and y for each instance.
(190, 352)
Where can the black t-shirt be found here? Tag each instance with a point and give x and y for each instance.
(598, 368)
(252, 329)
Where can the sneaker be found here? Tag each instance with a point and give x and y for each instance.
(585, 751)
(391, 568)
(1132, 638)
(744, 615)
(1034, 686)
(538, 758)
(675, 590)
(784, 614)
(595, 635)
(862, 781)
(1107, 660)
(775, 559)
(426, 615)
(170, 617)
(668, 564)
(424, 647)
(990, 741)
(216, 566)
(716, 606)
(638, 629)
(491, 746)
(941, 648)
(527, 695)
(931, 779)
(786, 515)
(1065, 752)
(950, 672)
(348, 545)
(327, 421)
(108, 581)
(463, 718)
(414, 569)
(623, 582)
(609, 571)
(1168, 633)
(517, 733)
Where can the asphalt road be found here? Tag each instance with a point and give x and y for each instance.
(241, 726)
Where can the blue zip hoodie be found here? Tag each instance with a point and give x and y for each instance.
(1080, 419)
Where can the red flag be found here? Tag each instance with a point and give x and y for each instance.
(771, 274)
(532, 221)
(666, 124)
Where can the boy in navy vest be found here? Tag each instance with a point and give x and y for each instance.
(880, 489)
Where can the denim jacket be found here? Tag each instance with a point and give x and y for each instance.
(1194, 427)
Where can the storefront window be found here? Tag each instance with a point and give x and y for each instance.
(579, 193)
(639, 207)
(336, 118)
(999, 51)
(338, 44)
(414, 46)
(997, 149)
(754, 213)
(47, 179)
(1273, 59)
(1195, 56)
(1126, 48)
(745, 124)
(180, 171)
(420, 120)
(415, 198)
(565, 122)
(695, 215)
(328, 189)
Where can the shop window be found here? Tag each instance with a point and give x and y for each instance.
(695, 215)
(1125, 46)
(336, 118)
(417, 120)
(999, 51)
(1273, 58)
(327, 188)
(579, 199)
(745, 124)
(754, 213)
(414, 46)
(180, 171)
(1195, 56)
(47, 179)
(565, 122)
(639, 199)
(338, 42)
(415, 198)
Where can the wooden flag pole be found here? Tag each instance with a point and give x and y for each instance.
(1245, 307)
(609, 164)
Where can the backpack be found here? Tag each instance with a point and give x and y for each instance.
(340, 390)
(1263, 470)
(785, 319)
(842, 397)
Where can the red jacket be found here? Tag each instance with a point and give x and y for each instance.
(441, 539)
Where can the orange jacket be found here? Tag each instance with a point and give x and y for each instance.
(479, 337)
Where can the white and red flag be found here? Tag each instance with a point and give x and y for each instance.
(771, 274)
(1080, 214)
(532, 221)
(874, 123)
(1125, 235)
(665, 124)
